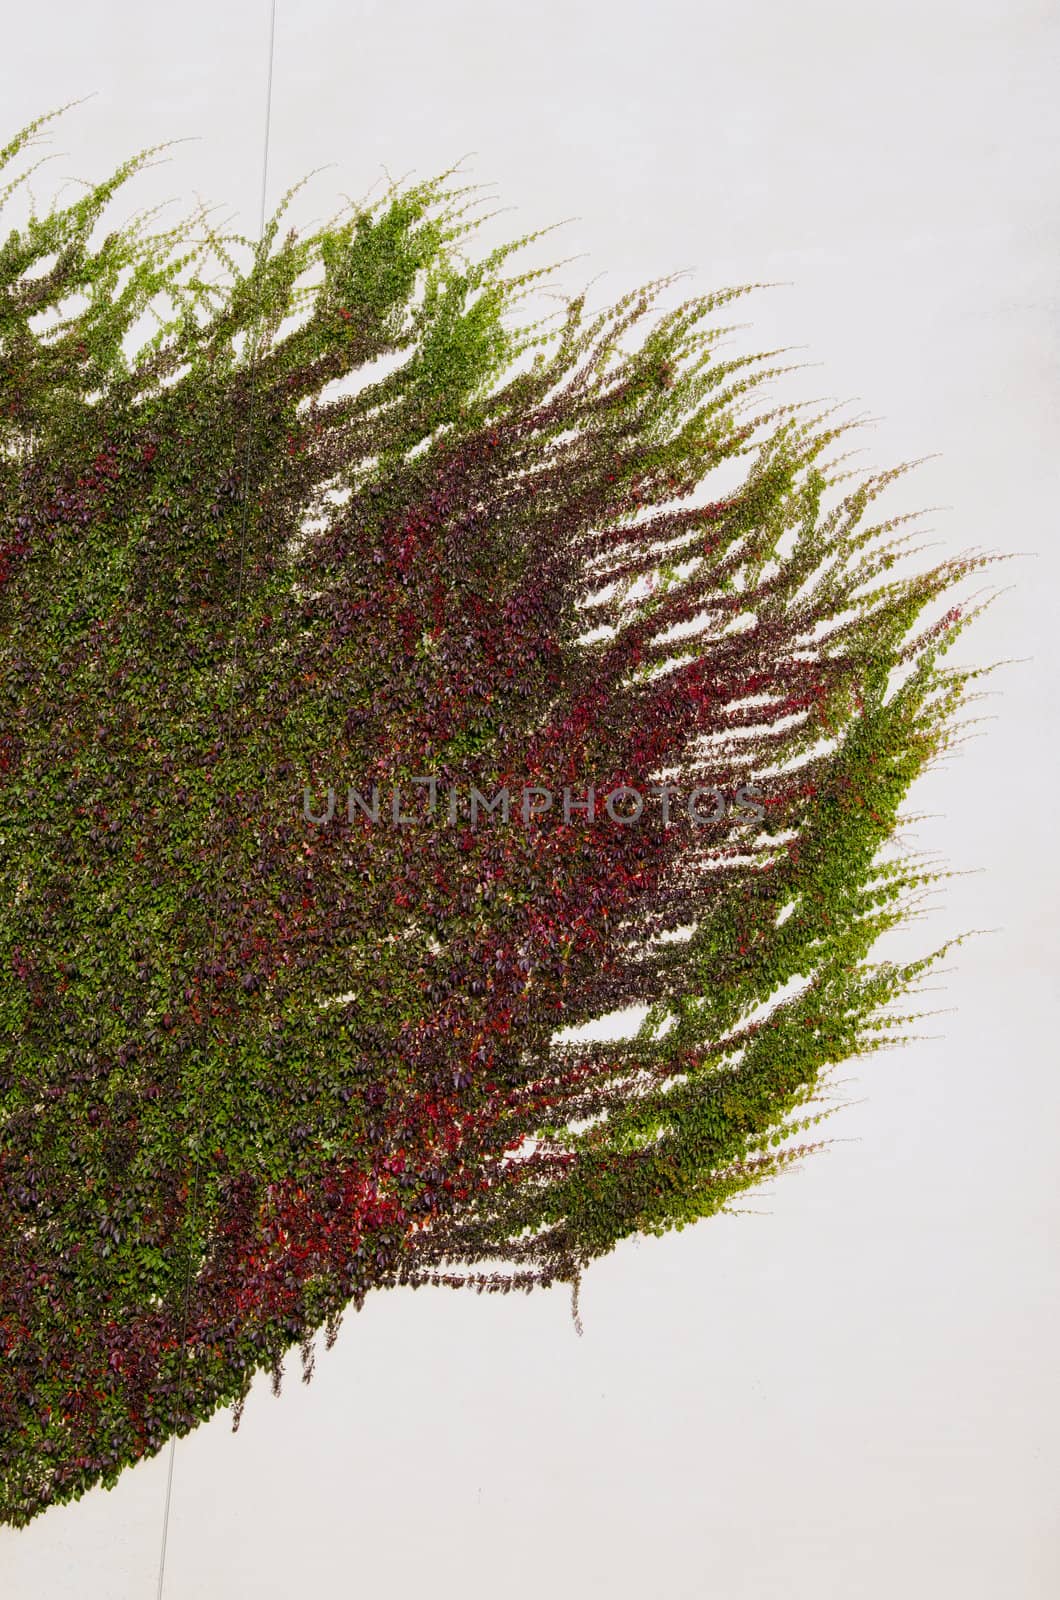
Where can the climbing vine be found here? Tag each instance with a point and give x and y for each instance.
(254, 1066)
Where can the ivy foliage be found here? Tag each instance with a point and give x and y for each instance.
(252, 1068)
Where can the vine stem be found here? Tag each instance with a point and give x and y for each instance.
(253, 373)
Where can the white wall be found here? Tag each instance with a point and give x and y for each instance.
(855, 1393)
